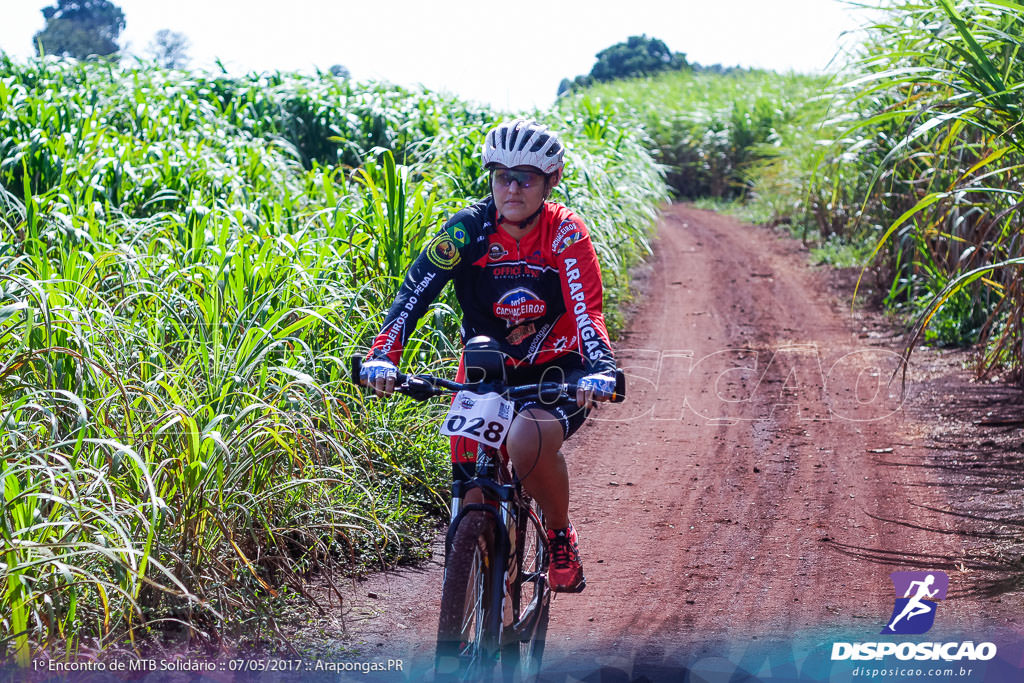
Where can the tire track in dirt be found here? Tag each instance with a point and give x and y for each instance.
(737, 493)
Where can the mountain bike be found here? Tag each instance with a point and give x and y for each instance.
(495, 599)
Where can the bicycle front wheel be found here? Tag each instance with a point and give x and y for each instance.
(469, 628)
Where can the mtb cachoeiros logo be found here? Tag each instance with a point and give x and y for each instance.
(918, 595)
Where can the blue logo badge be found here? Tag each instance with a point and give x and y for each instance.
(917, 598)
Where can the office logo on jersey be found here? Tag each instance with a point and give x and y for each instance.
(510, 271)
(917, 597)
(442, 252)
(519, 305)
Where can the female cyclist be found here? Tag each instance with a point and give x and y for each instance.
(525, 274)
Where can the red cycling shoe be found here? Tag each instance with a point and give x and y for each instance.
(566, 571)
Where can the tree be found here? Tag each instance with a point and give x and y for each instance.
(638, 56)
(79, 28)
(169, 49)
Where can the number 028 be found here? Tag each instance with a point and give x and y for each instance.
(458, 423)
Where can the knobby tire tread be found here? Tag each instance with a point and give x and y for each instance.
(475, 530)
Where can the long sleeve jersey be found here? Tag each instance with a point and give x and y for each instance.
(540, 297)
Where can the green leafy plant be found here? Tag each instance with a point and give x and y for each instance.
(187, 264)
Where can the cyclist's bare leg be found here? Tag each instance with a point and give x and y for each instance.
(532, 444)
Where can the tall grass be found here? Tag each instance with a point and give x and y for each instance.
(709, 130)
(186, 264)
(909, 159)
(928, 163)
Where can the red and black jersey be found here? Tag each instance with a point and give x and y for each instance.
(539, 296)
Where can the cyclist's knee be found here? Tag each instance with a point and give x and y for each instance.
(534, 430)
(534, 420)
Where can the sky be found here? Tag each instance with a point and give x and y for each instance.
(511, 55)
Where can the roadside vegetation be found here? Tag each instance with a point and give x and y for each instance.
(906, 162)
(713, 132)
(925, 167)
(187, 263)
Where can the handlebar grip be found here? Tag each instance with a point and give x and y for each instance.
(357, 367)
(620, 386)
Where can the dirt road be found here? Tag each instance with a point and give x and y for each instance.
(759, 485)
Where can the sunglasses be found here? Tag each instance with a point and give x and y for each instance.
(503, 178)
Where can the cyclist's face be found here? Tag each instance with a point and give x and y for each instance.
(520, 191)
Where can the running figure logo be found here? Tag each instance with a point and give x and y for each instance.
(921, 592)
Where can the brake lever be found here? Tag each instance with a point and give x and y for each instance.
(418, 389)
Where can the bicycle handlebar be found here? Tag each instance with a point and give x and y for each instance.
(423, 387)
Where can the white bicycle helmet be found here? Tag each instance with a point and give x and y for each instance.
(523, 143)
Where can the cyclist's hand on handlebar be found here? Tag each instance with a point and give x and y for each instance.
(598, 387)
(379, 374)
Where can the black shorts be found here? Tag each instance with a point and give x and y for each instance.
(568, 369)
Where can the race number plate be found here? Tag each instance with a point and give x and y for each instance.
(481, 417)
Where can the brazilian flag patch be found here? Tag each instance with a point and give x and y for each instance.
(459, 234)
(443, 252)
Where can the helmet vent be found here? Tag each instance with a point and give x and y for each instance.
(525, 139)
(512, 138)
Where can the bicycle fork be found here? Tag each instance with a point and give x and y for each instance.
(502, 570)
(506, 529)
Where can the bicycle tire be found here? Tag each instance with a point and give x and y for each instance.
(469, 626)
(531, 596)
